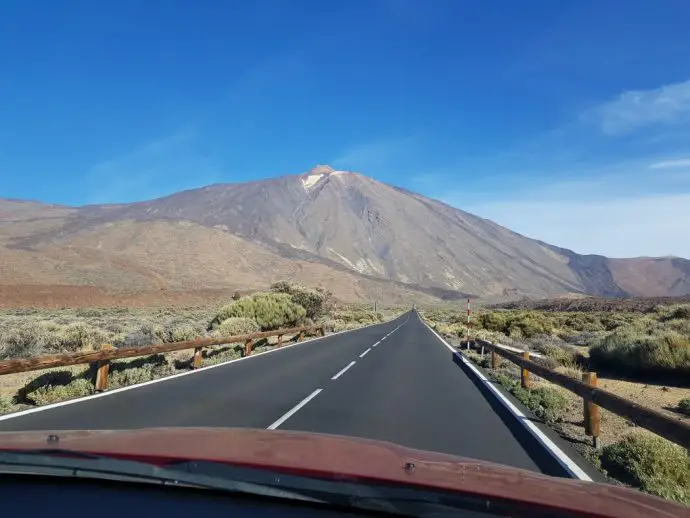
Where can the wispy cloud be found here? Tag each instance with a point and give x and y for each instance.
(156, 168)
(371, 155)
(632, 227)
(681, 162)
(636, 109)
(616, 215)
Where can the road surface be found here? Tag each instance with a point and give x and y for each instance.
(395, 381)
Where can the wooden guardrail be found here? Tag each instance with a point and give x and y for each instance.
(108, 352)
(593, 397)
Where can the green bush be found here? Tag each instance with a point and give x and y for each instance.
(47, 379)
(123, 374)
(517, 324)
(27, 339)
(184, 333)
(679, 312)
(269, 310)
(236, 326)
(494, 321)
(650, 463)
(81, 336)
(316, 302)
(631, 351)
(213, 357)
(548, 404)
(684, 406)
(5, 405)
(48, 394)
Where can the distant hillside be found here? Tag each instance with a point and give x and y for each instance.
(342, 230)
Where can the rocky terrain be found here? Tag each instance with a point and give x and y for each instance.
(360, 238)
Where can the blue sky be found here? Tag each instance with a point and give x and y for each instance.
(567, 121)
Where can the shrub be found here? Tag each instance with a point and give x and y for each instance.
(140, 337)
(494, 321)
(125, 373)
(316, 302)
(556, 350)
(268, 310)
(236, 326)
(628, 350)
(329, 325)
(5, 405)
(213, 357)
(684, 406)
(184, 333)
(547, 403)
(47, 379)
(80, 336)
(29, 339)
(53, 393)
(667, 313)
(650, 463)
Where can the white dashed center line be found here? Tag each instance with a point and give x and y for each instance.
(343, 371)
(365, 353)
(294, 409)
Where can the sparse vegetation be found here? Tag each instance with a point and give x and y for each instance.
(237, 326)
(640, 341)
(29, 332)
(316, 302)
(650, 463)
(547, 402)
(631, 351)
(268, 310)
(684, 406)
(652, 342)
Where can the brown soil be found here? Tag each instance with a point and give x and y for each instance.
(62, 296)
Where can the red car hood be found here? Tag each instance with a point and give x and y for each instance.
(329, 456)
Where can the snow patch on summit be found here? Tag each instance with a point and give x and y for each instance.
(313, 177)
(311, 180)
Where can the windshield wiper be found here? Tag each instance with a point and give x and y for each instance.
(83, 465)
(346, 493)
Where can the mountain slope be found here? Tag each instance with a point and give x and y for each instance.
(348, 225)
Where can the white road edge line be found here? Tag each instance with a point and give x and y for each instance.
(569, 464)
(174, 376)
(294, 410)
(342, 371)
(365, 353)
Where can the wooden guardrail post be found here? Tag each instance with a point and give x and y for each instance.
(101, 382)
(280, 340)
(494, 360)
(198, 355)
(248, 347)
(524, 373)
(322, 329)
(301, 336)
(591, 410)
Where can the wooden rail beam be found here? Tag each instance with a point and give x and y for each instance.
(654, 421)
(64, 360)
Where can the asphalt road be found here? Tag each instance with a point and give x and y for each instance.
(394, 381)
